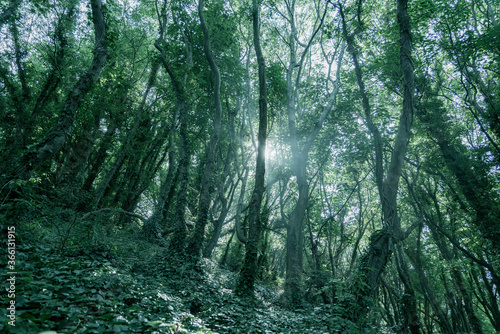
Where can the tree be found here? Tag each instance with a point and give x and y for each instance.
(383, 242)
(348, 195)
(196, 242)
(295, 227)
(255, 223)
(65, 126)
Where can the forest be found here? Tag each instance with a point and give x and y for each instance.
(250, 166)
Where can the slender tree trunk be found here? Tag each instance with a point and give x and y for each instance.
(225, 206)
(71, 172)
(226, 181)
(466, 299)
(381, 245)
(295, 228)
(491, 299)
(196, 243)
(214, 238)
(66, 123)
(152, 229)
(180, 232)
(100, 156)
(141, 173)
(408, 300)
(474, 187)
(249, 270)
(429, 294)
(178, 239)
(473, 181)
(239, 208)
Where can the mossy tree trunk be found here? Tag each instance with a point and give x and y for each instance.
(382, 242)
(195, 244)
(249, 270)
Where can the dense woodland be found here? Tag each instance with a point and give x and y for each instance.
(247, 166)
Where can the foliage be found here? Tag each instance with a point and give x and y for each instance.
(89, 293)
(96, 218)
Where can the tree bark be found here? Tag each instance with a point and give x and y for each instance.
(180, 231)
(473, 182)
(196, 242)
(20, 138)
(295, 228)
(249, 270)
(429, 294)
(465, 299)
(226, 178)
(99, 157)
(179, 236)
(382, 242)
(152, 229)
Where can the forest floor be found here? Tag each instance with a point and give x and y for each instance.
(97, 292)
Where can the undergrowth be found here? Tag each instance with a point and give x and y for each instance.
(91, 275)
(90, 293)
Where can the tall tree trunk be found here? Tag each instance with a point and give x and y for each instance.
(196, 243)
(141, 174)
(226, 181)
(474, 187)
(99, 157)
(490, 299)
(429, 294)
(295, 228)
(66, 123)
(408, 300)
(178, 239)
(225, 204)
(249, 270)
(381, 245)
(473, 182)
(71, 172)
(465, 299)
(180, 231)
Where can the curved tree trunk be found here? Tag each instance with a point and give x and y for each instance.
(226, 178)
(152, 229)
(24, 98)
(248, 272)
(300, 155)
(54, 77)
(382, 242)
(180, 231)
(196, 243)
